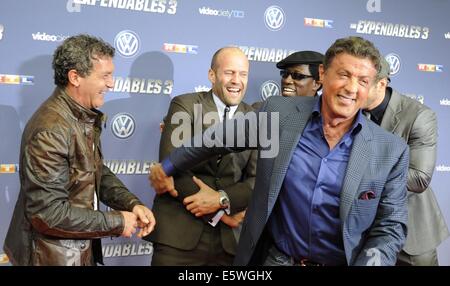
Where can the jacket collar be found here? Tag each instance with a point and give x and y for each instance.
(78, 112)
(391, 116)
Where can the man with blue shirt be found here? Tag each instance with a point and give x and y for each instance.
(336, 192)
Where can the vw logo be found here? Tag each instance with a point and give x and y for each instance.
(394, 63)
(274, 18)
(269, 88)
(123, 125)
(127, 43)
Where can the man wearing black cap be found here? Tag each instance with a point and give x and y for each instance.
(300, 73)
(417, 125)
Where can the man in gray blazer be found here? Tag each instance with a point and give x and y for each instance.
(417, 125)
(335, 194)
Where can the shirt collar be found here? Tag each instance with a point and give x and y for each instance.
(377, 113)
(221, 107)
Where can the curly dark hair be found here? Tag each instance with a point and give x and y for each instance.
(77, 53)
(355, 46)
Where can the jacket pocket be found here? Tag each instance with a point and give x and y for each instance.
(52, 252)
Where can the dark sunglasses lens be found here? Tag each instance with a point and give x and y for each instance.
(298, 76)
(284, 73)
(294, 75)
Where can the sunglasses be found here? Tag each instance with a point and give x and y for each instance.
(294, 75)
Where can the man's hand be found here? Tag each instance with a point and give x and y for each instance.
(130, 220)
(234, 220)
(205, 201)
(160, 181)
(145, 220)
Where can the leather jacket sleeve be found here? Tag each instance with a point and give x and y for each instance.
(422, 144)
(46, 181)
(114, 194)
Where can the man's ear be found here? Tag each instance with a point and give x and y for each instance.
(317, 84)
(74, 78)
(321, 72)
(212, 76)
(383, 83)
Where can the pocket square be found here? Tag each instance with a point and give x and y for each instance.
(369, 195)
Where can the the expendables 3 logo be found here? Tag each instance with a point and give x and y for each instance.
(143, 86)
(151, 6)
(391, 30)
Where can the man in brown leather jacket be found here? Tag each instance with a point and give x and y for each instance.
(56, 220)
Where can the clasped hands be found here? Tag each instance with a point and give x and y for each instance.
(205, 201)
(140, 217)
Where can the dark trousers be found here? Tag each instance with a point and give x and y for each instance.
(426, 259)
(208, 252)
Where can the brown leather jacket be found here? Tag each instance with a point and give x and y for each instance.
(61, 166)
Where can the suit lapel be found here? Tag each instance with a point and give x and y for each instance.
(208, 106)
(359, 159)
(291, 130)
(391, 118)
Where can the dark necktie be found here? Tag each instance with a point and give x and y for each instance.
(225, 112)
(225, 117)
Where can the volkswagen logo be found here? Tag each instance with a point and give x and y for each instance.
(123, 125)
(394, 63)
(274, 18)
(269, 88)
(127, 43)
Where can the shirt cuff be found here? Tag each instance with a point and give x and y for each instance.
(168, 167)
(216, 218)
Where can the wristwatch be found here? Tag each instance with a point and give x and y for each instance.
(224, 201)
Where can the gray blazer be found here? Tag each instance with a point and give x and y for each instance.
(417, 125)
(378, 163)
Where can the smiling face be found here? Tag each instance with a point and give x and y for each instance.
(92, 88)
(229, 76)
(299, 87)
(346, 83)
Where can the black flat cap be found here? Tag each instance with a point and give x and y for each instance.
(301, 58)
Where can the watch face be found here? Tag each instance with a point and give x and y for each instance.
(224, 202)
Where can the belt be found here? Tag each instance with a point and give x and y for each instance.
(306, 262)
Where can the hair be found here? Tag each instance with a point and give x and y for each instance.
(77, 53)
(217, 53)
(355, 46)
